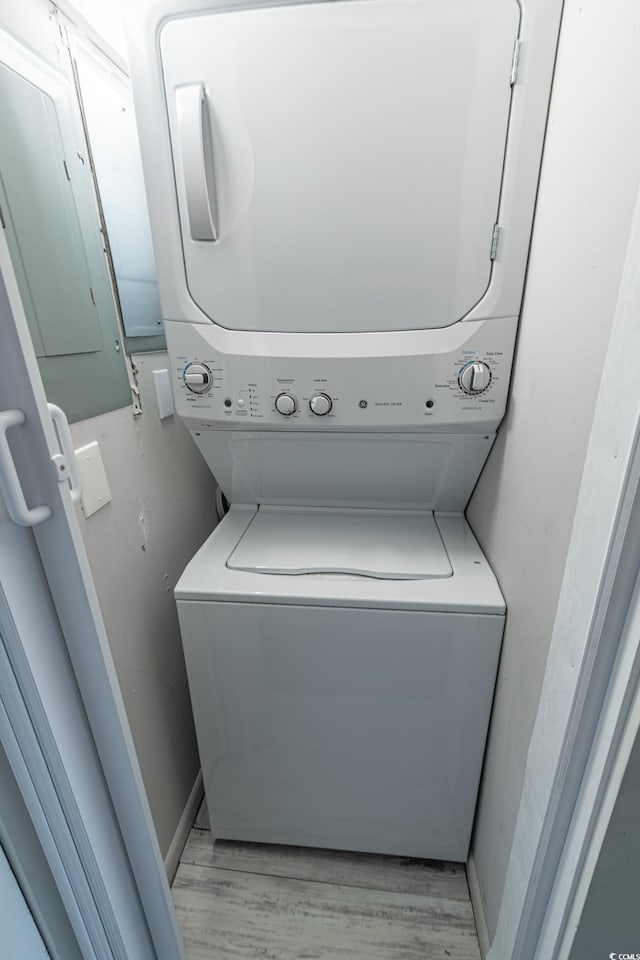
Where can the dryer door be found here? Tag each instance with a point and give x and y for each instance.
(338, 165)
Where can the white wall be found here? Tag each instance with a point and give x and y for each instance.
(523, 506)
(162, 509)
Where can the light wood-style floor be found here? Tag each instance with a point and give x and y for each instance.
(249, 901)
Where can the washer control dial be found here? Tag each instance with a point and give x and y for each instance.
(475, 377)
(286, 404)
(320, 404)
(197, 377)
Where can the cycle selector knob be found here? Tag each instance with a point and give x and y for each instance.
(320, 404)
(475, 377)
(286, 404)
(197, 377)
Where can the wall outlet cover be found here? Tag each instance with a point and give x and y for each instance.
(95, 486)
(163, 393)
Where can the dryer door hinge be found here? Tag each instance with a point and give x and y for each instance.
(515, 61)
(495, 236)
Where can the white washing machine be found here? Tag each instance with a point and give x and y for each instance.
(341, 197)
(341, 666)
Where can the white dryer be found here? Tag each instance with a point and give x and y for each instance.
(341, 198)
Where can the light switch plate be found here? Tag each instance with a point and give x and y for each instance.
(163, 393)
(95, 486)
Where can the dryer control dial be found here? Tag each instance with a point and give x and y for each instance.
(286, 404)
(475, 377)
(197, 377)
(320, 404)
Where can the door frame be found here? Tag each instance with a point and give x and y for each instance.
(589, 710)
(90, 668)
(21, 935)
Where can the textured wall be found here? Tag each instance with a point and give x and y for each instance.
(523, 506)
(138, 545)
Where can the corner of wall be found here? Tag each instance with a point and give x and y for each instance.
(478, 905)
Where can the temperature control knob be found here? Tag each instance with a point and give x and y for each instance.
(320, 404)
(475, 377)
(197, 377)
(286, 404)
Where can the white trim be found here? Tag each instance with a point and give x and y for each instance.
(21, 936)
(83, 26)
(477, 903)
(587, 636)
(612, 746)
(29, 768)
(185, 823)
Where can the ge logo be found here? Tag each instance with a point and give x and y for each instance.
(363, 404)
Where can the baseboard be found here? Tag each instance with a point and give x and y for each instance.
(185, 823)
(478, 907)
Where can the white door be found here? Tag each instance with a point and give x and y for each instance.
(62, 723)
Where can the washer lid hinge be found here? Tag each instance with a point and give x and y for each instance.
(515, 61)
(494, 242)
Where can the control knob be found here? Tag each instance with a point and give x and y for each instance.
(320, 404)
(286, 404)
(197, 377)
(475, 377)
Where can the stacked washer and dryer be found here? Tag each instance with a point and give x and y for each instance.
(341, 196)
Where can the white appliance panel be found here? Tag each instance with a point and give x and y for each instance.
(409, 381)
(338, 165)
(382, 544)
(375, 470)
(531, 82)
(348, 729)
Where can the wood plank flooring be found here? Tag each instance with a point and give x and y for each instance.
(249, 901)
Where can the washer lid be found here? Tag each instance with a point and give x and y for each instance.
(384, 544)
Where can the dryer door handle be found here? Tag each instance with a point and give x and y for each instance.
(196, 154)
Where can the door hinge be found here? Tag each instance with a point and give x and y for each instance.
(495, 236)
(93, 296)
(515, 61)
(136, 401)
(64, 462)
(66, 169)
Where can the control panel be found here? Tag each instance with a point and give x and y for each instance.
(464, 386)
